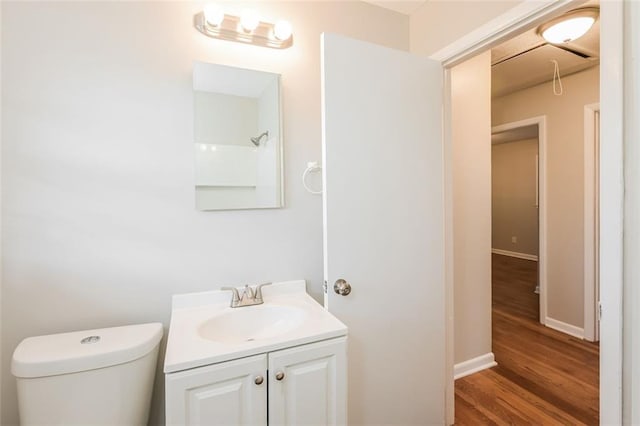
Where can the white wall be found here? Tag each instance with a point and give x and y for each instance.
(436, 24)
(97, 164)
(471, 152)
(565, 182)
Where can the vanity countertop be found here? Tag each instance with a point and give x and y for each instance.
(196, 317)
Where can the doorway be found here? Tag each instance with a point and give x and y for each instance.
(518, 206)
(531, 77)
(610, 233)
(517, 95)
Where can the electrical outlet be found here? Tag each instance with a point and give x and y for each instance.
(514, 240)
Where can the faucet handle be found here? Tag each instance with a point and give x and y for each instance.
(236, 295)
(258, 295)
(248, 291)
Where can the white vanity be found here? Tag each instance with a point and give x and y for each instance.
(282, 362)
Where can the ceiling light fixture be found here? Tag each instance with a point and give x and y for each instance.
(248, 28)
(569, 27)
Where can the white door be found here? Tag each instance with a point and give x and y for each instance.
(384, 227)
(307, 384)
(229, 393)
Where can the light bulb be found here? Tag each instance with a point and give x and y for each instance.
(282, 30)
(213, 14)
(249, 20)
(568, 30)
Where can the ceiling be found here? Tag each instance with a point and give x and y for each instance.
(525, 60)
(406, 7)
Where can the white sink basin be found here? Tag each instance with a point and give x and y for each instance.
(252, 323)
(205, 330)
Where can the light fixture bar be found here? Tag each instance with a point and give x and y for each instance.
(231, 30)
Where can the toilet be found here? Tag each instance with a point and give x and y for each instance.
(93, 377)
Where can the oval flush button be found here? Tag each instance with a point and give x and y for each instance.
(90, 339)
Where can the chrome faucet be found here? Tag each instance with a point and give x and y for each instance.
(250, 296)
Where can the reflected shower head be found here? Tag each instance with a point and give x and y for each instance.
(257, 139)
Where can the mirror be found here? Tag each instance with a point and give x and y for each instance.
(238, 144)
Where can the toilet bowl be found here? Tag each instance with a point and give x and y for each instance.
(93, 377)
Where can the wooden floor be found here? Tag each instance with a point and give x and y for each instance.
(543, 377)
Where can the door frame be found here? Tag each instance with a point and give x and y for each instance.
(591, 196)
(525, 15)
(541, 122)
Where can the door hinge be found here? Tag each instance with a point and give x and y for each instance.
(599, 311)
(324, 287)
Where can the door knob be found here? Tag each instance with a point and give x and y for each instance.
(279, 375)
(259, 380)
(342, 287)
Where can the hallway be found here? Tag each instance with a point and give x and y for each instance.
(543, 376)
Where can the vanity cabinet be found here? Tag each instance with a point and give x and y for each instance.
(220, 394)
(304, 384)
(308, 384)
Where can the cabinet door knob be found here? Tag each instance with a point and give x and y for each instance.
(259, 380)
(279, 375)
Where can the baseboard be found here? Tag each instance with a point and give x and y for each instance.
(569, 329)
(474, 365)
(515, 254)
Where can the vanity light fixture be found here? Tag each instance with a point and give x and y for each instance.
(213, 15)
(569, 26)
(249, 20)
(282, 30)
(247, 28)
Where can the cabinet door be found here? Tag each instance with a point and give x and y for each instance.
(312, 388)
(220, 394)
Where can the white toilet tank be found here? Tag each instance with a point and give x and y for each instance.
(93, 377)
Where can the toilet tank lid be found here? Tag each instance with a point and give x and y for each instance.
(77, 351)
